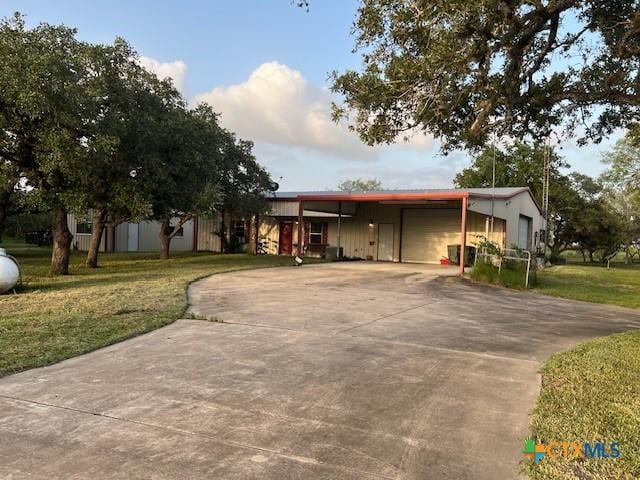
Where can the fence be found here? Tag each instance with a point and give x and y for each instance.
(509, 254)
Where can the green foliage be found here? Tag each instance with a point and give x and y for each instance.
(484, 245)
(517, 164)
(622, 187)
(84, 126)
(360, 185)
(43, 108)
(580, 213)
(511, 275)
(463, 71)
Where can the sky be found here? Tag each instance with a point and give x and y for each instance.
(264, 65)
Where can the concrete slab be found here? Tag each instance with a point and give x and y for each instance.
(330, 371)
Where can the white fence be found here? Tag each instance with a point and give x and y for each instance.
(509, 254)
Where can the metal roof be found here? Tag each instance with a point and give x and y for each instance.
(499, 191)
(428, 193)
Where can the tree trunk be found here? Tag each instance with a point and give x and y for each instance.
(5, 198)
(61, 242)
(223, 233)
(165, 238)
(3, 218)
(584, 257)
(97, 228)
(591, 256)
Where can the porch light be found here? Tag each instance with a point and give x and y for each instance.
(371, 224)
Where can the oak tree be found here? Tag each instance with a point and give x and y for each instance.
(464, 71)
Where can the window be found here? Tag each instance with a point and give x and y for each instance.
(84, 228)
(315, 234)
(239, 232)
(180, 230)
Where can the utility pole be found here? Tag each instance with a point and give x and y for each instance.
(493, 187)
(546, 174)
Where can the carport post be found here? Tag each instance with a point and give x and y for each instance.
(300, 227)
(339, 227)
(463, 234)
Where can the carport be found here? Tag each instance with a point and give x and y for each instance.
(425, 218)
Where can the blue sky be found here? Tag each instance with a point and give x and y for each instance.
(264, 65)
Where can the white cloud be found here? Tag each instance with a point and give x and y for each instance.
(175, 70)
(277, 105)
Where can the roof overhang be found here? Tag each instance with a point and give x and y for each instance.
(400, 197)
(383, 197)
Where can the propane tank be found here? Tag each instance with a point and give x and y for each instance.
(9, 271)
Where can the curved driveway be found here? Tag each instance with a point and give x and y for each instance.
(352, 370)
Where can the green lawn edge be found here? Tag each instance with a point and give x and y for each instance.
(55, 318)
(590, 393)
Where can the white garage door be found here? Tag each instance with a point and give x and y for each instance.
(427, 232)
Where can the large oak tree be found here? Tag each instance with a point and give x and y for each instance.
(463, 71)
(43, 117)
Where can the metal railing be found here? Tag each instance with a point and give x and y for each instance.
(509, 254)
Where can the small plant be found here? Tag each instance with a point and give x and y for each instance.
(492, 266)
(486, 246)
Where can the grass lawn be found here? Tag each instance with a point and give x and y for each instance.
(53, 318)
(619, 285)
(591, 393)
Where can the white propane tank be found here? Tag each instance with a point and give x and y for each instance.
(9, 271)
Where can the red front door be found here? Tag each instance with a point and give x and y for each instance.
(286, 238)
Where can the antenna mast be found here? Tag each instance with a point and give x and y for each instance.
(545, 191)
(493, 185)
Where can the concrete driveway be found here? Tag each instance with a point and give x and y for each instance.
(351, 370)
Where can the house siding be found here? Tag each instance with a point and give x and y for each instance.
(81, 240)
(360, 240)
(510, 210)
(208, 239)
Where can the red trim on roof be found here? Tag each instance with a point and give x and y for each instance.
(380, 197)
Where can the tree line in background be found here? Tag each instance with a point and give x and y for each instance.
(83, 127)
(597, 217)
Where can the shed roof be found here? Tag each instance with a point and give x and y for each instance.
(415, 194)
(499, 191)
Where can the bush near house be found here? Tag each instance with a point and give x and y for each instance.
(511, 273)
(53, 318)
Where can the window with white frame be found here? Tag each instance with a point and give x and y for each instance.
(180, 233)
(239, 232)
(316, 233)
(84, 228)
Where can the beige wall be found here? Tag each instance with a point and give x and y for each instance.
(121, 237)
(81, 240)
(270, 231)
(358, 239)
(479, 225)
(510, 210)
(207, 238)
(149, 241)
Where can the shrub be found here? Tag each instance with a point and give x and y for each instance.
(512, 274)
(484, 272)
